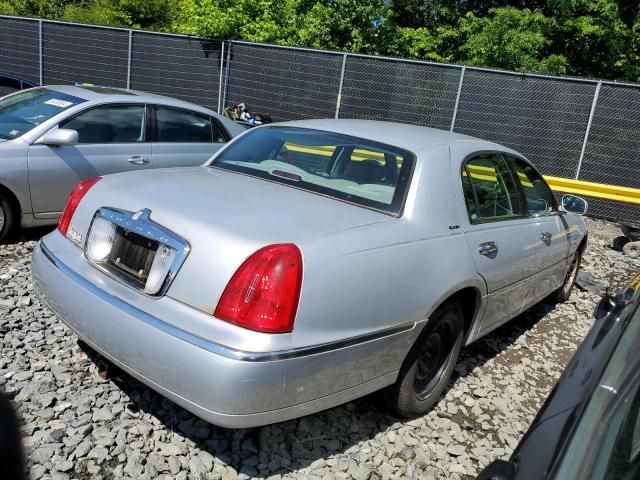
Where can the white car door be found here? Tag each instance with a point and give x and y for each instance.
(111, 139)
(553, 234)
(498, 233)
(184, 138)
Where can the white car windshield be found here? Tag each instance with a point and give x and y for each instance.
(347, 168)
(23, 111)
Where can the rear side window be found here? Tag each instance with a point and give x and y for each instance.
(183, 126)
(109, 124)
(489, 190)
(540, 199)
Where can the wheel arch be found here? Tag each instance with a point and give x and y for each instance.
(470, 298)
(13, 200)
(582, 246)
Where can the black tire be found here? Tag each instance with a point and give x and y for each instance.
(564, 292)
(7, 217)
(619, 243)
(426, 370)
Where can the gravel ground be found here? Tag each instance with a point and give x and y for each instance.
(83, 419)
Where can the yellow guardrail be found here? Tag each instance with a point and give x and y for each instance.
(558, 184)
(592, 189)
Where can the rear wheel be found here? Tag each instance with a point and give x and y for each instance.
(428, 367)
(564, 292)
(7, 217)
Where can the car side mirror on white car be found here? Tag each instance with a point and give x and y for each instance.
(573, 204)
(59, 137)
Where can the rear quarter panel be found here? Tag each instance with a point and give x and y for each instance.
(379, 276)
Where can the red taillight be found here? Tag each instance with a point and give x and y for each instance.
(75, 196)
(263, 293)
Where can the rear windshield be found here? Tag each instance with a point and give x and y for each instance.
(347, 168)
(24, 111)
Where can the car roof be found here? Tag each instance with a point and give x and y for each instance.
(115, 95)
(410, 137)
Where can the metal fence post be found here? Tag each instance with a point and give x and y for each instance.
(455, 107)
(344, 64)
(221, 77)
(40, 51)
(129, 60)
(586, 133)
(226, 74)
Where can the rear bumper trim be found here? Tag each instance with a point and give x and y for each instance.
(215, 347)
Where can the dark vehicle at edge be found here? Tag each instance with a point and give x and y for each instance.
(589, 427)
(10, 83)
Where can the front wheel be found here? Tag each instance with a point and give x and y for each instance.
(428, 366)
(564, 292)
(6, 217)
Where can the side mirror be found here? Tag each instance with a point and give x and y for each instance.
(59, 137)
(605, 306)
(498, 470)
(573, 204)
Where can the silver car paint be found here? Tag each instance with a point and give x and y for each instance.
(365, 274)
(41, 177)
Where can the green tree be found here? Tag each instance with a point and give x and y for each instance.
(509, 38)
(352, 25)
(593, 37)
(98, 12)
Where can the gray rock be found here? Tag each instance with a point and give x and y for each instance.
(63, 465)
(37, 471)
(99, 453)
(102, 415)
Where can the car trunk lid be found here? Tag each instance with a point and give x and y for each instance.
(223, 216)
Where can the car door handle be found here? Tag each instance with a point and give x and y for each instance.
(545, 237)
(487, 248)
(138, 160)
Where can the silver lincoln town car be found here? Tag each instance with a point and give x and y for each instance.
(307, 264)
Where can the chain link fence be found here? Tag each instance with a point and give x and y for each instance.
(571, 128)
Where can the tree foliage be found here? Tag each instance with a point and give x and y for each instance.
(595, 38)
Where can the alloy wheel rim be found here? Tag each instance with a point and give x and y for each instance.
(432, 363)
(1, 219)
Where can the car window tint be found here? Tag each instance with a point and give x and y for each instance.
(348, 168)
(370, 166)
(218, 135)
(489, 189)
(182, 126)
(539, 197)
(315, 158)
(112, 124)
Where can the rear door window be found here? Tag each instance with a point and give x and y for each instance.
(175, 125)
(489, 189)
